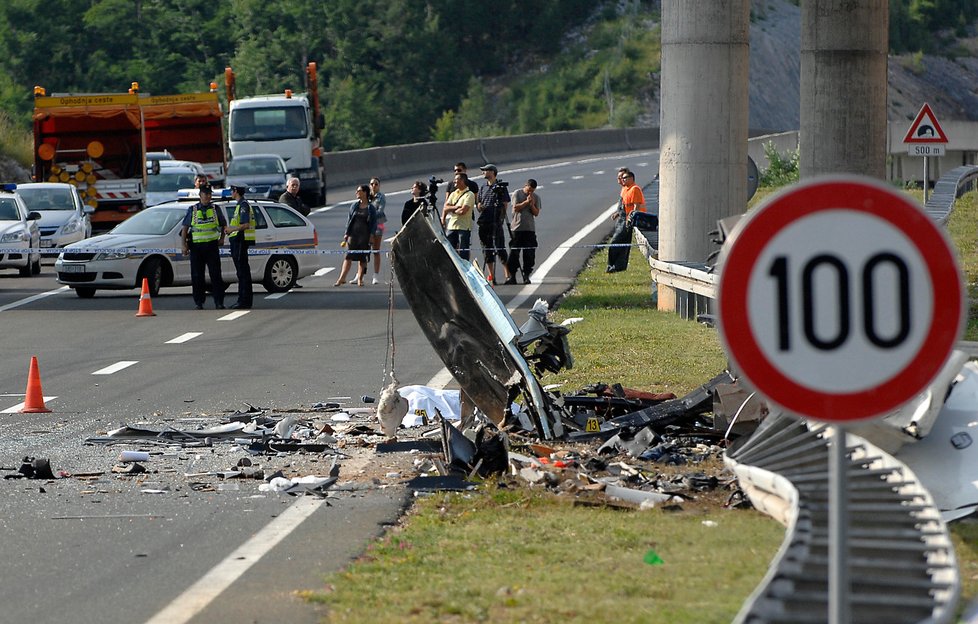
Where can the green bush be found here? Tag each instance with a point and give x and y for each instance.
(782, 169)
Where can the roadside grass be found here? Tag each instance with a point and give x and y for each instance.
(963, 230)
(521, 555)
(504, 554)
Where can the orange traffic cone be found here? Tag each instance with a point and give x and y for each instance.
(145, 303)
(34, 400)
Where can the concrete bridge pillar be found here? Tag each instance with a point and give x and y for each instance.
(703, 125)
(843, 87)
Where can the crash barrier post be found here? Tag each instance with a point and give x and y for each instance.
(145, 303)
(34, 397)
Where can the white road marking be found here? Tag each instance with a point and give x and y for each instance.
(234, 315)
(184, 338)
(577, 177)
(443, 377)
(323, 271)
(277, 295)
(33, 298)
(115, 368)
(557, 182)
(16, 408)
(191, 602)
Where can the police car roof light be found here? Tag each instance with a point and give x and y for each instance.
(8, 187)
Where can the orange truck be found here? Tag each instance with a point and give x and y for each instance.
(190, 127)
(94, 142)
(98, 142)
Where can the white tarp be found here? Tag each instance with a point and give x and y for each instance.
(423, 401)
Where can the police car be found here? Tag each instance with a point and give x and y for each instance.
(20, 238)
(148, 244)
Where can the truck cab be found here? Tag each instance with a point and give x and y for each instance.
(288, 125)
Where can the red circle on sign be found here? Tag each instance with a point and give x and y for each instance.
(740, 261)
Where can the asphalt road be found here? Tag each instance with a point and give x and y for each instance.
(117, 550)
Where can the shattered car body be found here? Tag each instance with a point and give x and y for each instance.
(467, 324)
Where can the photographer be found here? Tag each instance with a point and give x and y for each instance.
(417, 200)
(493, 204)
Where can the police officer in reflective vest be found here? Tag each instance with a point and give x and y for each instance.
(241, 233)
(203, 235)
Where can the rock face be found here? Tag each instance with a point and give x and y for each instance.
(12, 171)
(775, 70)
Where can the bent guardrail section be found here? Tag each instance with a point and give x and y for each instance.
(901, 560)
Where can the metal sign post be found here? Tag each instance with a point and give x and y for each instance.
(839, 586)
(839, 300)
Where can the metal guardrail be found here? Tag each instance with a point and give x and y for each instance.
(901, 560)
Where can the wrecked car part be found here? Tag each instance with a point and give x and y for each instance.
(33, 468)
(551, 352)
(632, 442)
(639, 497)
(699, 401)
(901, 556)
(465, 322)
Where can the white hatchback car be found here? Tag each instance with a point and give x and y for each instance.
(64, 216)
(20, 238)
(148, 244)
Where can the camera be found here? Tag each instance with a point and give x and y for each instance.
(502, 184)
(433, 183)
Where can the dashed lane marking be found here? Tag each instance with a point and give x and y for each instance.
(234, 315)
(115, 368)
(184, 338)
(16, 408)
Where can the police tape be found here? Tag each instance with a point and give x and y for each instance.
(119, 252)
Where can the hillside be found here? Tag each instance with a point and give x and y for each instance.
(775, 64)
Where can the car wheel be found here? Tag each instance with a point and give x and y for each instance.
(281, 274)
(85, 292)
(152, 270)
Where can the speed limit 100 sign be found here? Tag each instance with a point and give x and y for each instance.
(839, 299)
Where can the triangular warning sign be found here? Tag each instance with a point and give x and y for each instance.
(925, 128)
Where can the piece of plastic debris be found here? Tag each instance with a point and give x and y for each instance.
(709, 523)
(340, 417)
(133, 456)
(652, 558)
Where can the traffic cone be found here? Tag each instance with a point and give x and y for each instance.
(145, 303)
(34, 400)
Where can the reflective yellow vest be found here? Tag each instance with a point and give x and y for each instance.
(204, 225)
(236, 221)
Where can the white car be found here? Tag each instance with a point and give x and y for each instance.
(64, 216)
(148, 244)
(171, 177)
(20, 238)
